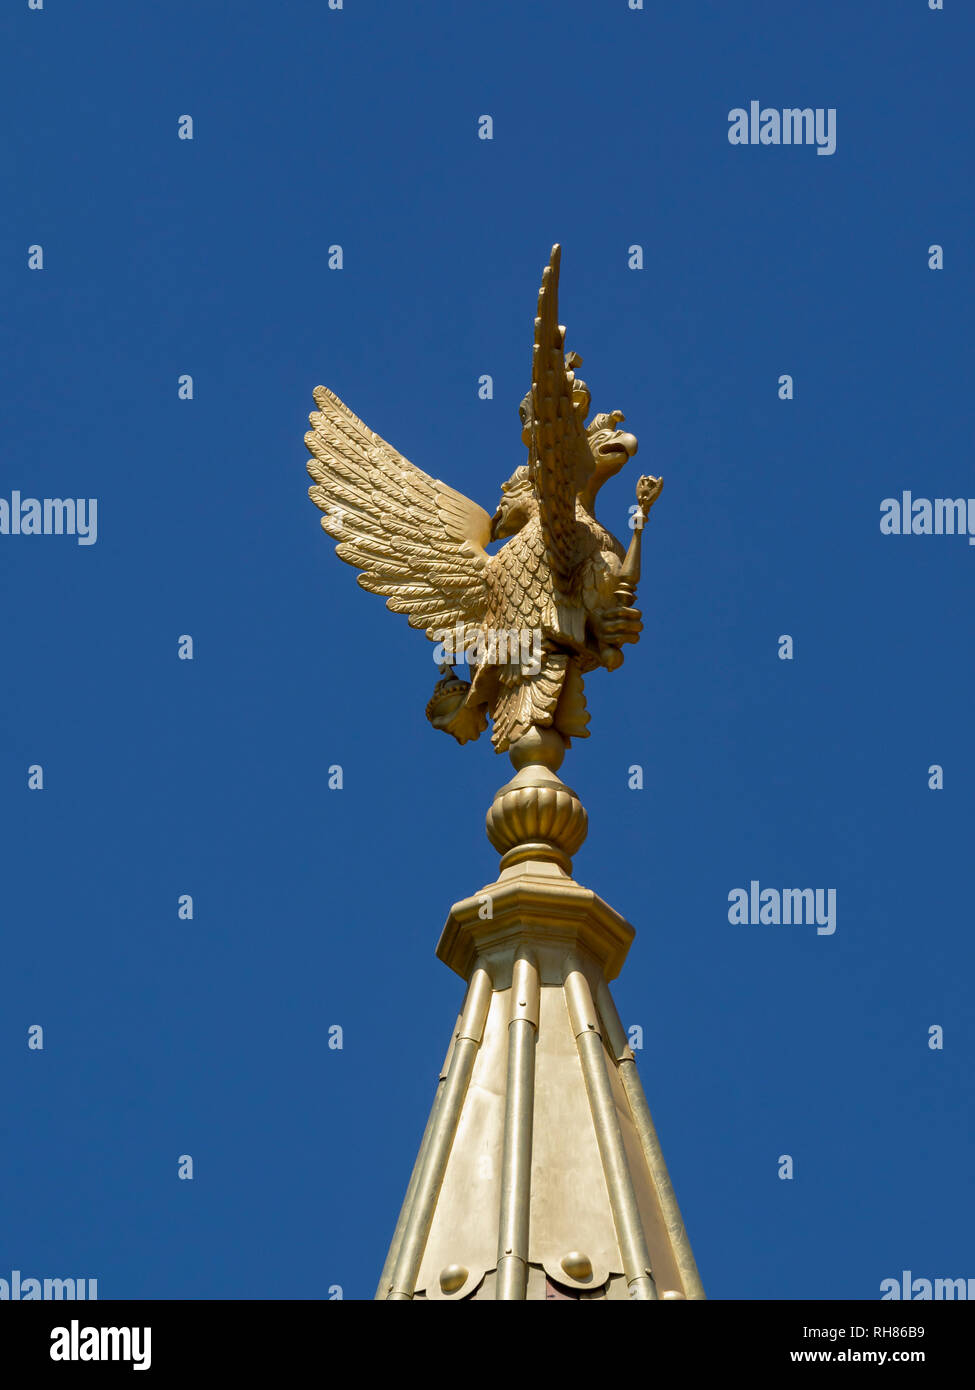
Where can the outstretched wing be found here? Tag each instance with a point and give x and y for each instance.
(560, 457)
(417, 541)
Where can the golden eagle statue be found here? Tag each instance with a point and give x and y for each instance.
(552, 604)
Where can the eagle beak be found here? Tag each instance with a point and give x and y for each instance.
(495, 523)
(615, 451)
(622, 440)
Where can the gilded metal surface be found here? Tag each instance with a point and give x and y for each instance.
(577, 1265)
(385, 1282)
(536, 806)
(538, 901)
(385, 1285)
(561, 574)
(662, 1261)
(516, 1158)
(678, 1246)
(525, 989)
(584, 1146)
(453, 1277)
(445, 1123)
(619, 1182)
(570, 1202)
(464, 1229)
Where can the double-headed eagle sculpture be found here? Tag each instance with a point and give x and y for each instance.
(552, 604)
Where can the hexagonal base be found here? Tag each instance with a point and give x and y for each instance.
(537, 902)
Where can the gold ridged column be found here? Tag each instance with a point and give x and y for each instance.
(619, 1183)
(444, 1127)
(385, 1282)
(516, 1162)
(645, 1128)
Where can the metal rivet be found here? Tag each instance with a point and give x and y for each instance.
(577, 1265)
(452, 1278)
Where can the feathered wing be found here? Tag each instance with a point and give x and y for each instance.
(418, 542)
(560, 455)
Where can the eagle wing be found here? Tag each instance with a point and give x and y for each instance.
(560, 454)
(418, 542)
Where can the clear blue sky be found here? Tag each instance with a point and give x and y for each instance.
(317, 907)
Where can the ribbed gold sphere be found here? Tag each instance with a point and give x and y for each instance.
(537, 808)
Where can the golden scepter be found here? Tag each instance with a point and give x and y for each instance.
(647, 491)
